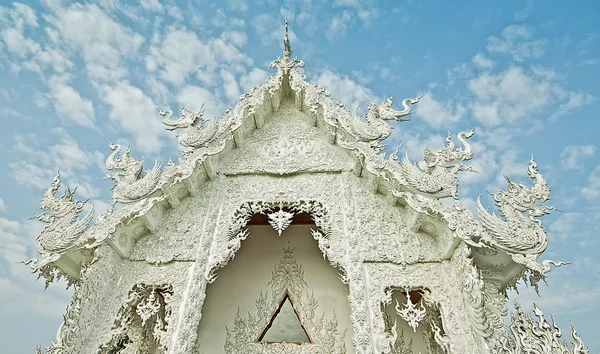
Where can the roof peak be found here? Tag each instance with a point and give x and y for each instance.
(286, 63)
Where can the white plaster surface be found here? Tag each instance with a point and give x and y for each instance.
(241, 281)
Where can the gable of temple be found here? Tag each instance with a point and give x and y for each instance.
(284, 228)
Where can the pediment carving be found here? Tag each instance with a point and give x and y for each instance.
(285, 145)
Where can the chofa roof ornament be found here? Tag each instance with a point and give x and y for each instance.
(286, 63)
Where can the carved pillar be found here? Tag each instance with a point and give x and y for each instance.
(355, 275)
(190, 311)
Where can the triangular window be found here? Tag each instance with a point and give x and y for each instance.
(285, 326)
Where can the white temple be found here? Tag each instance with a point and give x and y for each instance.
(283, 228)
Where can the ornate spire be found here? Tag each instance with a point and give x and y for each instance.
(287, 63)
(287, 49)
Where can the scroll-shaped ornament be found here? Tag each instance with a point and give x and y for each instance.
(132, 182)
(517, 231)
(64, 227)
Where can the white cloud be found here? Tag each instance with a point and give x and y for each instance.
(16, 239)
(481, 62)
(339, 25)
(230, 86)
(343, 87)
(102, 42)
(135, 113)
(574, 101)
(515, 41)
(17, 43)
(193, 97)
(592, 190)
(436, 113)
(2, 206)
(253, 78)
(509, 96)
(237, 38)
(366, 11)
(181, 53)
(20, 17)
(572, 154)
(151, 5)
(238, 5)
(69, 104)
(565, 225)
(36, 166)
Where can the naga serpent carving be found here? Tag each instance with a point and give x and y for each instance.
(194, 132)
(132, 183)
(520, 235)
(64, 225)
(437, 174)
(374, 128)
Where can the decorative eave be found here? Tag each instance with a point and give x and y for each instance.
(420, 187)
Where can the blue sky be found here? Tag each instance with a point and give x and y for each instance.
(74, 76)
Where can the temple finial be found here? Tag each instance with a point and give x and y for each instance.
(287, 49)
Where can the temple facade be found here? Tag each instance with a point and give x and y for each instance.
(284, 228)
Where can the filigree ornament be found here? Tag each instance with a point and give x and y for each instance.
(132, 182)
(410, 312)
(67, 334)
(142, 320)
(238, 232)
(539, 337)
(280, 220)
(63, 230)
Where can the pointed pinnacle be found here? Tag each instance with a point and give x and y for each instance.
(287, 49)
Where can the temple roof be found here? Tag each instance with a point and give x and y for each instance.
(424, 186)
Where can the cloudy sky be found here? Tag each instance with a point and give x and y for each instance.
(74, 76)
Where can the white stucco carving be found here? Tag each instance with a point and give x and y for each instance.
(287, 280)
(141, 272)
